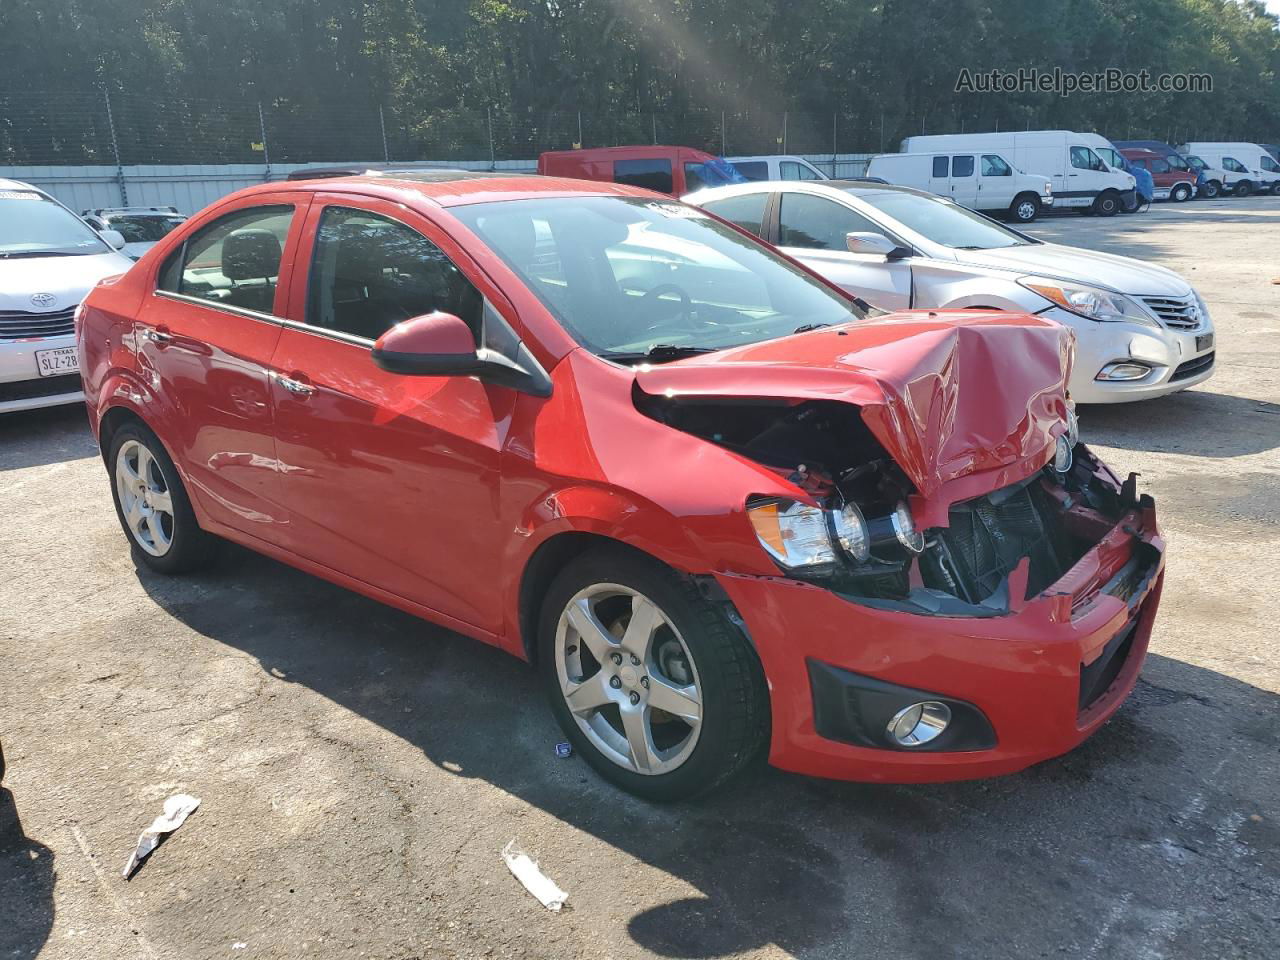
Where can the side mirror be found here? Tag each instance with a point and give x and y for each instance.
(441, 345)
(876, 244)
(114, 238)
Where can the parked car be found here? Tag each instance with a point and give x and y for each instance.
(329, 170)
(707, 492)
(670, 170)
(1258, 170)
(1170, 184)
(1079, 177)
(1214, 181)
(777, 167)
(1209, 181)
(1141, 330)
(141, 227)
(982, 181)
(49, 259)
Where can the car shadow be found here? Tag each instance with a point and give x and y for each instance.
(35, 438)
(27, 878)
(1194, 423)
(818, 868)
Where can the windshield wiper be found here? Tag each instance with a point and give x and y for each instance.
(658, 353)
(806, 327)
(19, 254)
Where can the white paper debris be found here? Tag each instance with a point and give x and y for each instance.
(176, 810)
(533, 879)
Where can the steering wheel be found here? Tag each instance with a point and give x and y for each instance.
(652, 298)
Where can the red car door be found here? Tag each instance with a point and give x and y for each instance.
(205, 339)
(390, 479)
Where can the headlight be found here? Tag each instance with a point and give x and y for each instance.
(904, 525)
(851, 532)
(1048, 188)
(1091, 302)
(1204, 308)
(1062, 456)
(794, 534)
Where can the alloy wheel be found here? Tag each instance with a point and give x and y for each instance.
(628, 679)
(145, 498)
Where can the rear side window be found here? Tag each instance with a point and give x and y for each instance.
(962, 166)
(370, 272)
(652, 174)
(747, 211)
(994, 166)
(941, 166)
(234, 261)
(752, 169)
(817, 223)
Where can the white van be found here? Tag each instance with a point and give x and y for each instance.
(776, 167)
(1080, 177)
(980, 181)
(1258, 170)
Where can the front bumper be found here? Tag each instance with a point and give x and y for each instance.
(22, 387)
(1178, 358)
(1044, 676)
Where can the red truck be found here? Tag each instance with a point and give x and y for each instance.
(670, 170)
(1170, 183)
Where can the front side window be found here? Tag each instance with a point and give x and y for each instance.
(817, 223)
(942, 221)
(33, 226)
(994, 166)
(790, 170)
(1158, 165)
(1082, 158)
(962, 166)
(1197, 162)
(752, 169)
(631, 274)
(140, 229)
(941, 166)
(652, 174)
(369, 272)
(746, 210)
(234, 261)
(1234, 165)
(1269, 165)
(1177, 162)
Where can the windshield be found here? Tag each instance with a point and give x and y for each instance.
(32, 226)
(942, 221)
(635, 279)
(143, 229)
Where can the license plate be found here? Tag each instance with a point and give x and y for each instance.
(53, 363)
(1204, 341)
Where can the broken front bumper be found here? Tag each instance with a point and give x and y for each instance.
(1042, 677)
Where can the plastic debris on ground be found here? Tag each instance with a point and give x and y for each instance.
(533, 879)
(564, 750)
(176, 810)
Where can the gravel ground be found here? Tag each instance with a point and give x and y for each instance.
(361, 770)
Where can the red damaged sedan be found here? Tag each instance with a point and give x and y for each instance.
(728, 511)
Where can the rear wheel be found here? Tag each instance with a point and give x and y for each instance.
(1107, 204)
(660, 694)
(1025, 207)
(152, 504)
(1180, 193)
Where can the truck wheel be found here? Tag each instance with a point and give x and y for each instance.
(1025, 207)
(1243, 188)
(1275, 189)
(1180, 193)
(1210, 189)
(1107, 204)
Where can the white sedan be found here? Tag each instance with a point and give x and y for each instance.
(1141, 330)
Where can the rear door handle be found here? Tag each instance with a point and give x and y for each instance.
(296, 387)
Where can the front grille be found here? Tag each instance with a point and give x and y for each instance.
(1096, 678)
(1176, 313)
(17, 324)
(1192, 367)
(989, 536)
(44, 387)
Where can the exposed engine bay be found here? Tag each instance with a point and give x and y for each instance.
(1051, 519)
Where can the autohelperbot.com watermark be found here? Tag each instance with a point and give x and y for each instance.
(1065, 83)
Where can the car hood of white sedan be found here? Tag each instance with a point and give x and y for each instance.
(67, 280)
(1123, 274)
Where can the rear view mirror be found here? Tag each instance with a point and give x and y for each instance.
(875, 244)
(114, 238)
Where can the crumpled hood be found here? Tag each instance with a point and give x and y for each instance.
(1123, 274)
(947, 393)
(67, 279)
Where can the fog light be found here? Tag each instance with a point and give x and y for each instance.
(919, 723)
(1123, 370)
(1062, 455)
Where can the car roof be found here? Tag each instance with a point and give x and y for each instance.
(455, 188)
(19, 185)
(638, 150)
(854, 188)
(432, 171)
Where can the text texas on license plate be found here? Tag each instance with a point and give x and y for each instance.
(1204, 341)
(61, 360)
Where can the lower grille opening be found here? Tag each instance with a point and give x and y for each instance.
(1192, 367)
(1096, 678)
(44, 387)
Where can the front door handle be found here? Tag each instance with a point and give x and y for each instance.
(296, 387)
(157, 335)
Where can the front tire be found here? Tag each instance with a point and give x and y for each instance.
(1025, 208)
(1107, 204)
(1243, 188)
(1180, 193)
(648, 679)
(1211, 189)
(152, 504)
